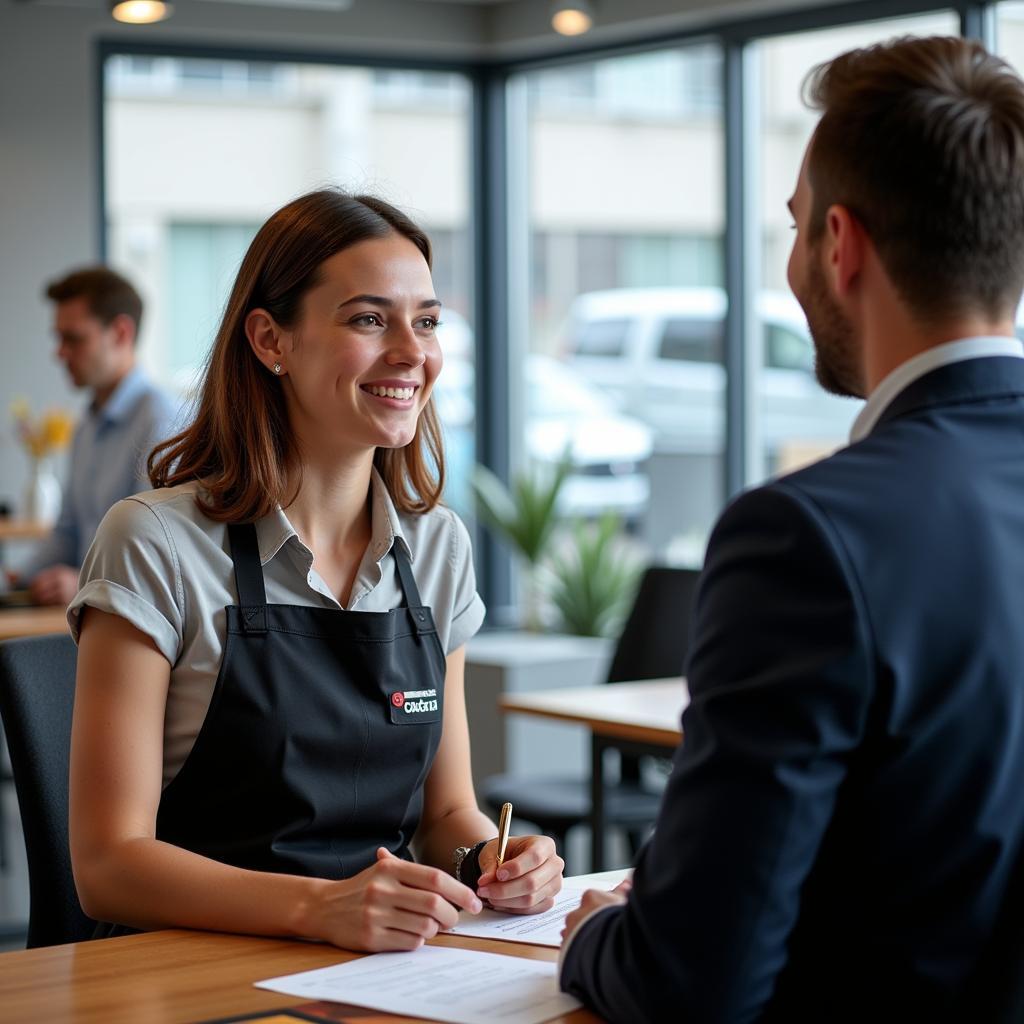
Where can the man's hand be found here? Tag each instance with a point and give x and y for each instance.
(56, 585)
(595, 899)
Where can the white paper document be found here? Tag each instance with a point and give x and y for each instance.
(460, 986)
(538, 929)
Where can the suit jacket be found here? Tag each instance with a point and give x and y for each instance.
(844, 812)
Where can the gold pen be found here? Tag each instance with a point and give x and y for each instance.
(503, 826)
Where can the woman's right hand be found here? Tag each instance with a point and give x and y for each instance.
(391, 905)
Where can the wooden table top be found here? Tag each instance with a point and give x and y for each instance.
(172, 977)
(646, 711)
(15, 622)
(23, 529)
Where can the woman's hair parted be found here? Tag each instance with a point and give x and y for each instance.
(239, 445)
(922, 139)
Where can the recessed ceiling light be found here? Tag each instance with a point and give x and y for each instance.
(140, 12)
(572, 17)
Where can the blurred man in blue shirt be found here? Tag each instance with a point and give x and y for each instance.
(96, 320)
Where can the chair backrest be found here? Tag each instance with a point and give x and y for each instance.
(37, 693)
(995, 994)
(656, 637)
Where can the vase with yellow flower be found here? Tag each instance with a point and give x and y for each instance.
(42, 437)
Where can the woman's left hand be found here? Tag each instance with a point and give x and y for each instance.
(527, 881)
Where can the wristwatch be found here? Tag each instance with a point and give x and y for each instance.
(467, 863)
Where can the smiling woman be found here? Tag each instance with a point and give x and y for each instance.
(358, 367)
(305, 281)
(270, 717)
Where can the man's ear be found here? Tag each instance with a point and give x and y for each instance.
(124, 330)
(264, 337)
(843, 249)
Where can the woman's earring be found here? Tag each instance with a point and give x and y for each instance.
(277, 367)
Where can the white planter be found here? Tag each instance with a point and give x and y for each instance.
(502, 662)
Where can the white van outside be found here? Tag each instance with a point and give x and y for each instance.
(609, 450)
(658, 352)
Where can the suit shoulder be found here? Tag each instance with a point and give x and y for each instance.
(902, 454)
(803, 515)
(855, 476)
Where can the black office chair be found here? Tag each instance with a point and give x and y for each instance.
(653, 645)
(995, 994)
(6, 779)
(37, 692)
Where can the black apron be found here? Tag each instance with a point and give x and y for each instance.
(319, 736)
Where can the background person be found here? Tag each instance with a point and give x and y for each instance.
(269, 711)
(97, 314)
(848, 803)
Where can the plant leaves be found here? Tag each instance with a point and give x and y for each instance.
(525, 516)
(595, 581)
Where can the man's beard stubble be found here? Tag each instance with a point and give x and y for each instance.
(836, 358)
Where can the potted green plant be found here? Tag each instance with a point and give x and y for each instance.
(594, 577)
(524, 517)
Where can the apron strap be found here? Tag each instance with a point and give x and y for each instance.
(252, 595)
(409, 588)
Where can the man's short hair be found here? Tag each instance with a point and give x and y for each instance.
(106, 293)
(923, 141)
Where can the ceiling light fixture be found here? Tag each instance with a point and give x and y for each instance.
(572, 17)
(140, 12)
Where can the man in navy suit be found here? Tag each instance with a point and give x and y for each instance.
(846, 809)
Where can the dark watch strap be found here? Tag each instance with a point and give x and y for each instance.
(469, 869)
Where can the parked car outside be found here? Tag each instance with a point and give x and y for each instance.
(608, 450)
(658, 353)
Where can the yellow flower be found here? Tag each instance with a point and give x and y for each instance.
(56, 429)
(50, 433)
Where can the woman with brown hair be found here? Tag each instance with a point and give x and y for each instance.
(269, 713)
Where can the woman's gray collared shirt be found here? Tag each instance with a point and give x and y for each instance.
(158, 562)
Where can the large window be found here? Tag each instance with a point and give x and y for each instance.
(1009, 27)
(199, 152)
(616, 256)
(625, 216)
(794, 420)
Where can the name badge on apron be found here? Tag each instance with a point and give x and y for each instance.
(415, 707)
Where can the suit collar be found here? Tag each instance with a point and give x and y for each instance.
(932, 358)
(973, 380)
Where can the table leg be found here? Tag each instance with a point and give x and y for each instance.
(597, 749)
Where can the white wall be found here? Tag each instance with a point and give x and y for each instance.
(48, 201)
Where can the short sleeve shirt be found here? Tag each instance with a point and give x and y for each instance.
(163, 565)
